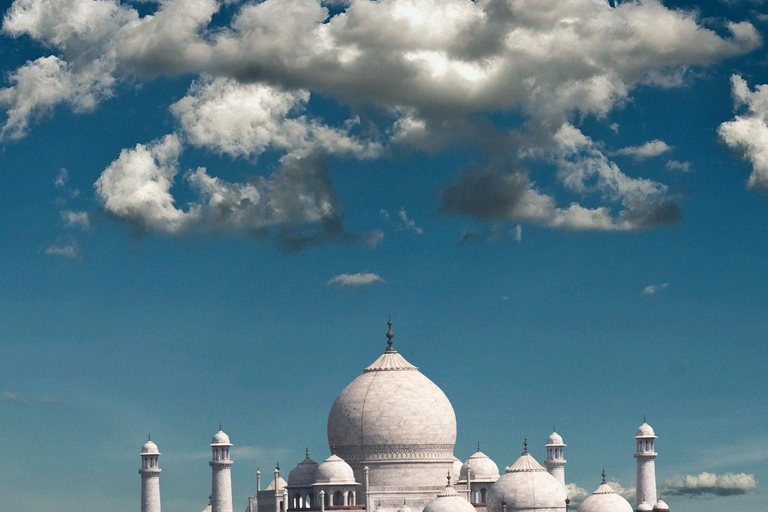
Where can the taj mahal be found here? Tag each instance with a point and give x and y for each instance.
(391, 434)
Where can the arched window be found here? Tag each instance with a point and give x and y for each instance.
(282, 506)
(338, 498)
(308, 501)
(482, 495)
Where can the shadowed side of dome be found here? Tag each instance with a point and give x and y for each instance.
(303, 474)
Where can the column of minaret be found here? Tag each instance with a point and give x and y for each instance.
(221, 485)
(555, 463)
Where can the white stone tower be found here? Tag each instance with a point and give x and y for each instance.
(646, 466)
(221, 489)
(150, 478)
(555, 462)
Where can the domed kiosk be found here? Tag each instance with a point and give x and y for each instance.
(605, 499)
(400, 425)
(527, 487)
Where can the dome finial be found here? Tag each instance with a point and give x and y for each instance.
(390, 335)
(306, 452)
(644, 419)
(603, 474)
(277, 467)
(149, 437)
(478, 446)
(449, 479)
(333, 449)
(525, 444)
(553, 428)
(220, 427)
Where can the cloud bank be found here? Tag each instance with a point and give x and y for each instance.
(710, 484)
(355, 280)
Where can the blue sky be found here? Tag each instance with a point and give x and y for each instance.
(210, 209)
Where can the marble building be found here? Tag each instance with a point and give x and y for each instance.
(391, 434)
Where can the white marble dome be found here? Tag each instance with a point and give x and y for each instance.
(554, 439)
(605, 499)
(391, 409)
(303, 474)
(645, 430)
(527, 486)
(660, 506)
(481, 467)
(334, 471)
(644, 507)
(404, 508)
(220, 438)
(449, 501)
(150, 448)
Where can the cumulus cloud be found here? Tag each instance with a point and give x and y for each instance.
(298, 198)
(245, 119)
(713, 484)
(576, 494)
(747, 133)
(653, 289)
(650, 149)
(358, 279)
(545, 57)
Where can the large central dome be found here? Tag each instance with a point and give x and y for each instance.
(392, 413)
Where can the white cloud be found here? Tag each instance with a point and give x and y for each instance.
(137, 187)
(677, 166)
(748, 133)
(653, 289)
(713, 484)
(518, 233)
(65, 246)
(358, 279)
(576, 494)
(76, 219)
(409, 224)
(545, 57)
(374, 238)
(61, 178)
(298, 197)
(246, 119)
(650, 149)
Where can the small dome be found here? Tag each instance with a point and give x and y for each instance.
(334, 471)
(149, 448)
(526, 485)
(456, 469)
(644, 507)
(645, 430)
(482, 469)
(449, 501)
(660, 506)
(404, 508)
(303, 474)
(554, 439)
(280, 484)
(220, 438)
(605, 499)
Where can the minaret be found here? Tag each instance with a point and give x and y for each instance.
(150, 478)
(555, 462)
(221, 489)
(646, 467)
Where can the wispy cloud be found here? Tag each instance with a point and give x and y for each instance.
(653, 289)
(650, 149)
(711, 484)
(409, 224)
(358, 279)
(677, 166)
(65, 246)
(74, 219)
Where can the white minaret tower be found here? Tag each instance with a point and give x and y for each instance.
(150, 478)
(555, 462)
(646, 466)
(221, 489)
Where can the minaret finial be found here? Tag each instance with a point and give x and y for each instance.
(603, 474)
(277, 467)
(390, 335)
(525, 444)
(449, 479)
